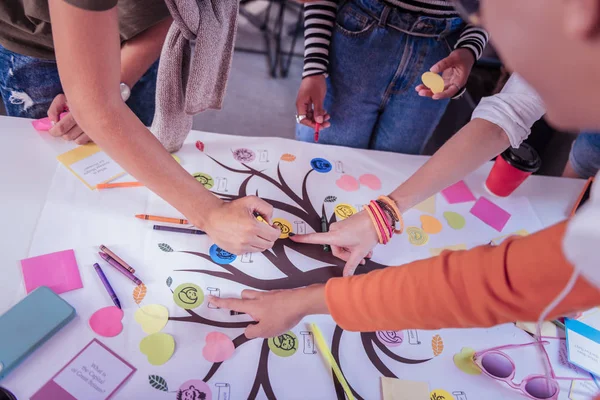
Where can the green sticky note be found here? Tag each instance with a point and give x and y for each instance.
(455, 220)
(188, 296)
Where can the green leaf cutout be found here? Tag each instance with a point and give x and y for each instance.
(158, 382)
(165, 247)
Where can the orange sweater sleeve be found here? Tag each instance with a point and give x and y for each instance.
(481, 287)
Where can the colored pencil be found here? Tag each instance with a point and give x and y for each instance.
(118, 185)
(163, 219)
(326, 353)
(111, 261)
(106, 284)
(325, 228)
(231, 312)
(178, 230)
(118, 259)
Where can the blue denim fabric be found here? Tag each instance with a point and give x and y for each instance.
(378, 54)
(585, 154)
(28, 85)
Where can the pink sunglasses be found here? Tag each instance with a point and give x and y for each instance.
(498, 365)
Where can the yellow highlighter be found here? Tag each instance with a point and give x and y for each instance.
(324, 349)
(259, 217)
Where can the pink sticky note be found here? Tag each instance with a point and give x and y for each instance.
(44, 124)
(58, 271)
(218, 347)
(490, 213)
(458, 193)
(107, 321)
(348, 183)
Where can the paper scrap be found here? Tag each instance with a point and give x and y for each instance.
(45, 124)
(465, 361)
(490, 213)
(91, 165)
(218, 348)
(458, 193)
(397, 389)
(348, 183)
(158, 347)
(371, 181)
(454, 247)
(426, 206)
(431, 224)
(188, 296)
(107, 321)
(95, 373)
(152, 317)
(455, 220)
(58, 271)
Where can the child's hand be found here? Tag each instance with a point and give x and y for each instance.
(455, 71)
(309, 102)
(65, 127)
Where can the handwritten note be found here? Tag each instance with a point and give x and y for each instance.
(91, 165)
(583, 344)
(96, 373)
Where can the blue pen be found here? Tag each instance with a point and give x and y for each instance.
(106, 284)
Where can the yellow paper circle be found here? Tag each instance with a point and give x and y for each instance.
(284, 226)
(416, 236)
(343, 211)
(439, 394)
(188, 296)
(433, 81)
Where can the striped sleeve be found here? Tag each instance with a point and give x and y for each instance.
(473, 39)
(319, 20)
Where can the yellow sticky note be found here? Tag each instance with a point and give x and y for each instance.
(426, 206)
(433, 82)
(397, 389)
(158, 347)
(152, 317)
(91, 165)
(548, 328)
(438, 251)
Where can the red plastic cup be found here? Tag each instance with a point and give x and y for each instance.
(511, 168)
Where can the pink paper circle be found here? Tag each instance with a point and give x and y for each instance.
(348, 183)
(107, 321)
(218, 347)
(370, 181)
(193, 389)
(391, 338)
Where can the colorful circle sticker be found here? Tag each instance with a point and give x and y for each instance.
(284, 345)
(433, 81)
(391, 338)
(205, 179)
(188, 296)
(343, 211)
(244, 155)
(288, 157)
(284, 226)
(439, 394)
(320, 165)
(417, 236)
(221, 256)
(194, 389)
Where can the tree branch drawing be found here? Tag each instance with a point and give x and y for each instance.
(305, 211)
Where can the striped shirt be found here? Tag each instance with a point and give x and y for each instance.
(319, 21)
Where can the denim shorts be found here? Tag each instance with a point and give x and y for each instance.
(585, 154)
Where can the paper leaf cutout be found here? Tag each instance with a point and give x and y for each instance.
(139, 293)
(158, 382)
(330, 199)
(169, 281)
(437, 345)
(165, 247)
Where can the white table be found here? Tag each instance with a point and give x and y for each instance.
(30, 164)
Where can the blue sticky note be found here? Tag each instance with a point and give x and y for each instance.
(221, 256)
(583, 345)
(321, 165)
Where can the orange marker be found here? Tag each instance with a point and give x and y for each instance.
(118, 185)
(163, 219)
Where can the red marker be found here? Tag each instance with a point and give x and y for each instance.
(317, 127)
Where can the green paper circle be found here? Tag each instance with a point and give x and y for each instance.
(188, 296)
(284, 345)
(205, 179)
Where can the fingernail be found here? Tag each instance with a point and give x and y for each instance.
(291, 234)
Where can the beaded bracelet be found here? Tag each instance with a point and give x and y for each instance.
(383, 227)
(393, 208)
(386, 222)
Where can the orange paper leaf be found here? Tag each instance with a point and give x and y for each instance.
(437, 345)
(139, 293)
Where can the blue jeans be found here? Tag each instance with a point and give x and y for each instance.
(378, 54)
(585, 154)
(28, 85)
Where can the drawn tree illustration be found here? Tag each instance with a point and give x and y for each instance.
(305, 211)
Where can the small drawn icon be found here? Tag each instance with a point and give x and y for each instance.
(284, 226)
(188, 296)
(194, 390)
(339, 167)
(308, 343)
(413, 337)
(300, 227)
(216, 292)
(221, 256)
(222, 184)
(284, 345)
(224, 391)
(244, 155)
(205, 179)
(459, 395)
(247, 258)
(391, 338)
(343, 211)
(263, 156)
(320, 165)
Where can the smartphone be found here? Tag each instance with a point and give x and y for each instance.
(29, 324)
(584, 196)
